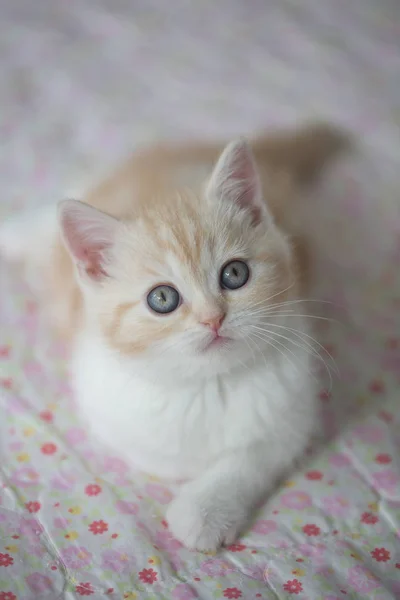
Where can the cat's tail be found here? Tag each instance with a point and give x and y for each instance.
(304, 152)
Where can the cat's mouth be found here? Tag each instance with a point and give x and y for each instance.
(218, 341)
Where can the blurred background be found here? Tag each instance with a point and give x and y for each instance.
(82, 84)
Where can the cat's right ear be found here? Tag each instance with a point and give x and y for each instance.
(89, 236)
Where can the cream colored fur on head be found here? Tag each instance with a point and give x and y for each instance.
(177, 276)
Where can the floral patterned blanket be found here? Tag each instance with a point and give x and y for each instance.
(83, 82)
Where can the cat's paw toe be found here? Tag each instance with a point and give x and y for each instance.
(201, 525)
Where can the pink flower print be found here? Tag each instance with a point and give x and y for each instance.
(387, 480)
(313, 551)
(30, 529)
(76, 557)
(35, 548)
(166, 541)
(339, 460)
(127, 508)
(370, 434)
(34, 371)
(264, 527)
(336, 506)
(38, 583)
(75, 436)
(60, 523)
(63, 482)
(216, 567)
(159, 492)
(17, 405)
(296, 500)
(118, 561)
(16, 446)
(183, 591)
(25, 477)
(114, 464)
(362, 580)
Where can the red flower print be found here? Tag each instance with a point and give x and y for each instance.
(385, 416)
(4, 351)
(314, 475)
(293, 586)
(46, 415)
(237, 547)
(8, 596)
(98, 527)
(392, 343)
(6, 383)
(380, 554)
(377, 386)
(397, 565)
(93, 489)
(84, 589)
(6, 560)
(232, 593)
(311, 530)
(33, 507)
(383, 459)
(148, 576)
(49, 448)
(369, 518)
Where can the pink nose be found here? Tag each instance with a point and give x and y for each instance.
(214, 323)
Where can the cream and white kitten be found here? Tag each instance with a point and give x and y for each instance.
(177, 276)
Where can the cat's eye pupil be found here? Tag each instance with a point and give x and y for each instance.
(234, 275)
(163, 299)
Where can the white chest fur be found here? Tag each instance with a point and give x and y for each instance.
(177, 431)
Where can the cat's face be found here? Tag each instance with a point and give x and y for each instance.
(191, 282)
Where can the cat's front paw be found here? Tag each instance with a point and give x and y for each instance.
(203, 522)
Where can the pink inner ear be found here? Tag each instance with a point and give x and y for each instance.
(236, 179)
(92, 262)
(89, 235)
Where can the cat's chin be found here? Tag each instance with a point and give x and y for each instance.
(217, 344)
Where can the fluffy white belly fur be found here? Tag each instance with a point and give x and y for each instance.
(178, 431)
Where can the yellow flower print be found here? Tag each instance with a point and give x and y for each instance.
(299, 572)
(130, 596)
(75, 510)
(51, 406)
(289, 483)
(373, 506)
(154, 560)
(28, 431)
(12, 549)
(355, 536)
(24, 457)
(71, 535)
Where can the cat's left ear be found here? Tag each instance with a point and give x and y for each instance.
(89, 235)
(235, 179)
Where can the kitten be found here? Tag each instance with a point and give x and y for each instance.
(176, 276)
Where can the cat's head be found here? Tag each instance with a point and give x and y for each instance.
(189, 283)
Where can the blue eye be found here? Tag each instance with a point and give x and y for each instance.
(234, 275)
(163, 299)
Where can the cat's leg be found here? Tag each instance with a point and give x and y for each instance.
(215, 508)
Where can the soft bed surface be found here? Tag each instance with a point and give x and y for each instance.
(82, 83)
